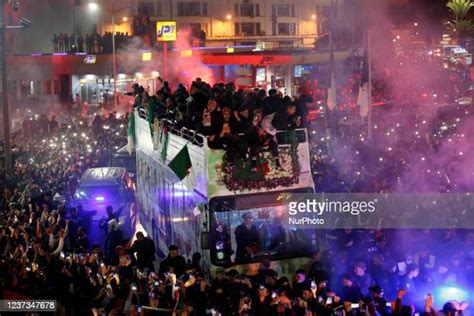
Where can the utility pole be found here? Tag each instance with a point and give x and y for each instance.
(24, 23)
(114, 60)
(4, 91)
(74, 28)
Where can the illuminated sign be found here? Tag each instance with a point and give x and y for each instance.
(298, 71)
(166, 31)
(90, 59)
(186, 53)
(146, 56)
(260, 75)
(230, 50)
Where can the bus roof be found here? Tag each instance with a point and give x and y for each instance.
(102, 176)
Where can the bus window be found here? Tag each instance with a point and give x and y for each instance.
(244, 236)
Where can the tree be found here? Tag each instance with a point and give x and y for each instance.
(462, 26)
(460, 8)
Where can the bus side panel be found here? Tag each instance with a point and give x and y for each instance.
(166, 208)
(152, 216)
(185, 224)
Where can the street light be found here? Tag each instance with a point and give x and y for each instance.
(93, 6)
(228, 17)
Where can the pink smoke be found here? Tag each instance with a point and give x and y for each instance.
(184, 68)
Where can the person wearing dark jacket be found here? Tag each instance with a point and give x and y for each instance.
(227, 131)
(350, 292)
(173, 263)
(302, 108)
(195, 104)
(80, 43)
(242, 116)
(219, 292)
(308, 304)
(257, 138)
(247, 237)
(380, 302)
(81, 242)
(287, 119)
(144, 248)
(362, 279)
(272, 103)
(211, 120)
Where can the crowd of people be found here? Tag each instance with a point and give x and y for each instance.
(242, 122)
(420, 134)
(92, 43)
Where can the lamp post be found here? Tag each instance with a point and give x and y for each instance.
(114, 61)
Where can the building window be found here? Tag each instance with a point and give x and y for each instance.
(159, 9)
(146, 8)
(237, 29)
(325, 12)
(283, 10)
(192, 9)
(247, 29)
(286, 29)
(246, 9)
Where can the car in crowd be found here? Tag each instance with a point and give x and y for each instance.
(101, 187)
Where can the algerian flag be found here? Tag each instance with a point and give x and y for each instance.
(181, 163)
(131, 133)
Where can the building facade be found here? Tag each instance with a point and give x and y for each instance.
(267, 24)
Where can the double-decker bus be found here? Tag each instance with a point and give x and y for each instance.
(203, 212)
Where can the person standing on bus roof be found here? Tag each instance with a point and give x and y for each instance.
(246, 236)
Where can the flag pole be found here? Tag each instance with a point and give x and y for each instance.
(369, 84)
(365, 60)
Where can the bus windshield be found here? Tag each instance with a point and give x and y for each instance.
(245, 235)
